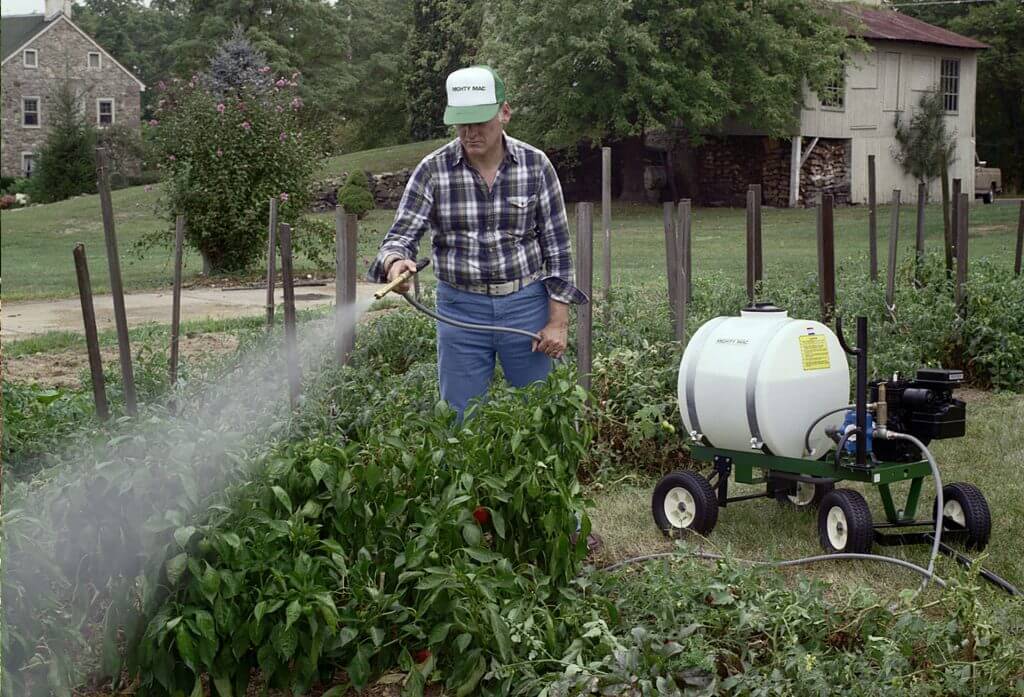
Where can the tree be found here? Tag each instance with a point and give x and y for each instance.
(445, 37)
(605, 69)
(66, 165)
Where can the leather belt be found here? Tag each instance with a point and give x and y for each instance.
(506, 288)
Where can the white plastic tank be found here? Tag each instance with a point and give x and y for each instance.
(759, 380)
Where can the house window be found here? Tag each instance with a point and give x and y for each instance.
(950, 84)
(30, 112)
(104, 112)
(833, 95)
(95, 62)
(27, 163)
(30, 57)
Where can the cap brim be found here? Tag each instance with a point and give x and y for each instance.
(457, 115)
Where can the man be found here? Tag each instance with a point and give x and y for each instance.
(500, 243)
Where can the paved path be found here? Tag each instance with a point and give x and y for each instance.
(19, 320)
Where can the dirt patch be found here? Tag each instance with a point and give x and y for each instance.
(65, 369)
(983, 230)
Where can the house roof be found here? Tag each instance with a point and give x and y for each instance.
(15, 30)
(887, 25)
(18, 30)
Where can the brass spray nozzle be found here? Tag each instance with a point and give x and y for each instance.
(401, 278)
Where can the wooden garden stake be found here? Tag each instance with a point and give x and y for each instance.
(1020, 240)
(957, 186)
(686, 250)
(179, 243)
(116, 288)
(271, 261)
(290, 341)
(961, 253)
(758, 255)
(346, 234)
(680, 306)
(606, 226)
(671, 262)
(894, 232)
(872, 221)
(92, 343)
(826, 258)
(751, 254)
(922, 200)
(584, 281)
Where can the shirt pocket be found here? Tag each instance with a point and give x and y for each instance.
(521, 215)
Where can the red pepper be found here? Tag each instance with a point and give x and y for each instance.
(421, 656)
(482, 515)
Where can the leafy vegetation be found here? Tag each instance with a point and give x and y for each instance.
(66, 165)
(354, 196)
(925, 144)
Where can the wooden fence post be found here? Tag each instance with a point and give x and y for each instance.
(116, 288)
(671, 262)
(962, 210)
(922, 201)
(686, 253)
(584, 281)
(894, 233)
(99, 393)
(957, 186)
(758, 254)
(179, 244)
(346, 236)
(680, 308)
(271, 261)
(948, 237)
(1020, 240)
(290, 340)
(751, 222)
(606, 226)
(872, 221)
(826, 258)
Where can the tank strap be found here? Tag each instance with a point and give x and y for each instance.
(756, 441)
(697, 346)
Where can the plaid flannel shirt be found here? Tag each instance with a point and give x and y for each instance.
(516, 229)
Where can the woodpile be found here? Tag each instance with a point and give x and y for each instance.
(727, 167)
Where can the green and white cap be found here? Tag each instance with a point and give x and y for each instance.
(474, 95)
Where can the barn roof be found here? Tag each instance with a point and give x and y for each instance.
(887, 25)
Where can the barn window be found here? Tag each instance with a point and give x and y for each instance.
(950, 84)
(30, 58)
(833, 95)
(104, 112)
(30, 112)
(95, 60)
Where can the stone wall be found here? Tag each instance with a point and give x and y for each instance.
(386, 187)
(63, 53)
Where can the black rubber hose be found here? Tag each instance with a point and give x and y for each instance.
(807, 435)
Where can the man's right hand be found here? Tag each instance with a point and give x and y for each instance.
(396, 269)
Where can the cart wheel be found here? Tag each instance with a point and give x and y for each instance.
(801, 495)
(964, 508)
(684, 500)
(844, 522)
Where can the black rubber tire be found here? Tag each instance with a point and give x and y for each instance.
(782, 488)
(987, 197)
(705, 513)
(977, 516)
(860, 532)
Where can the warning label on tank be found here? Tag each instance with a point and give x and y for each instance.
(814, 352)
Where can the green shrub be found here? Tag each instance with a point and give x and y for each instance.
(226, 154)
(354, 196)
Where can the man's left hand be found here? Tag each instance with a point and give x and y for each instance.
(553, 339)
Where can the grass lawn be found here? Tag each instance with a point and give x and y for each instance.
(36, 243)
(988, 457)
(379, 160)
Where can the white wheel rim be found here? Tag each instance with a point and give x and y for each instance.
(804, 494)
(955, 512)
(836, 528)
(680, 508)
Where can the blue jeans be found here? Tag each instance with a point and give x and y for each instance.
(465, 359)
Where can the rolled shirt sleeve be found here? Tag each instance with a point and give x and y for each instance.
(553, 233)
(412, 219)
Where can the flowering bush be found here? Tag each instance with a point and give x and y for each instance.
(225, 153)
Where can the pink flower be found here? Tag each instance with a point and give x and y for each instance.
(265, 69)
(246, 125)
(161, 85)
(284, 197)
(284, 136)
(219, 152)
(153, 122)
(279, 109)
(297, 103)
(281, 83)
(220, 108)
(172, 158)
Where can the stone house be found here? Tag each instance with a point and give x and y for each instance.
(42, 51)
